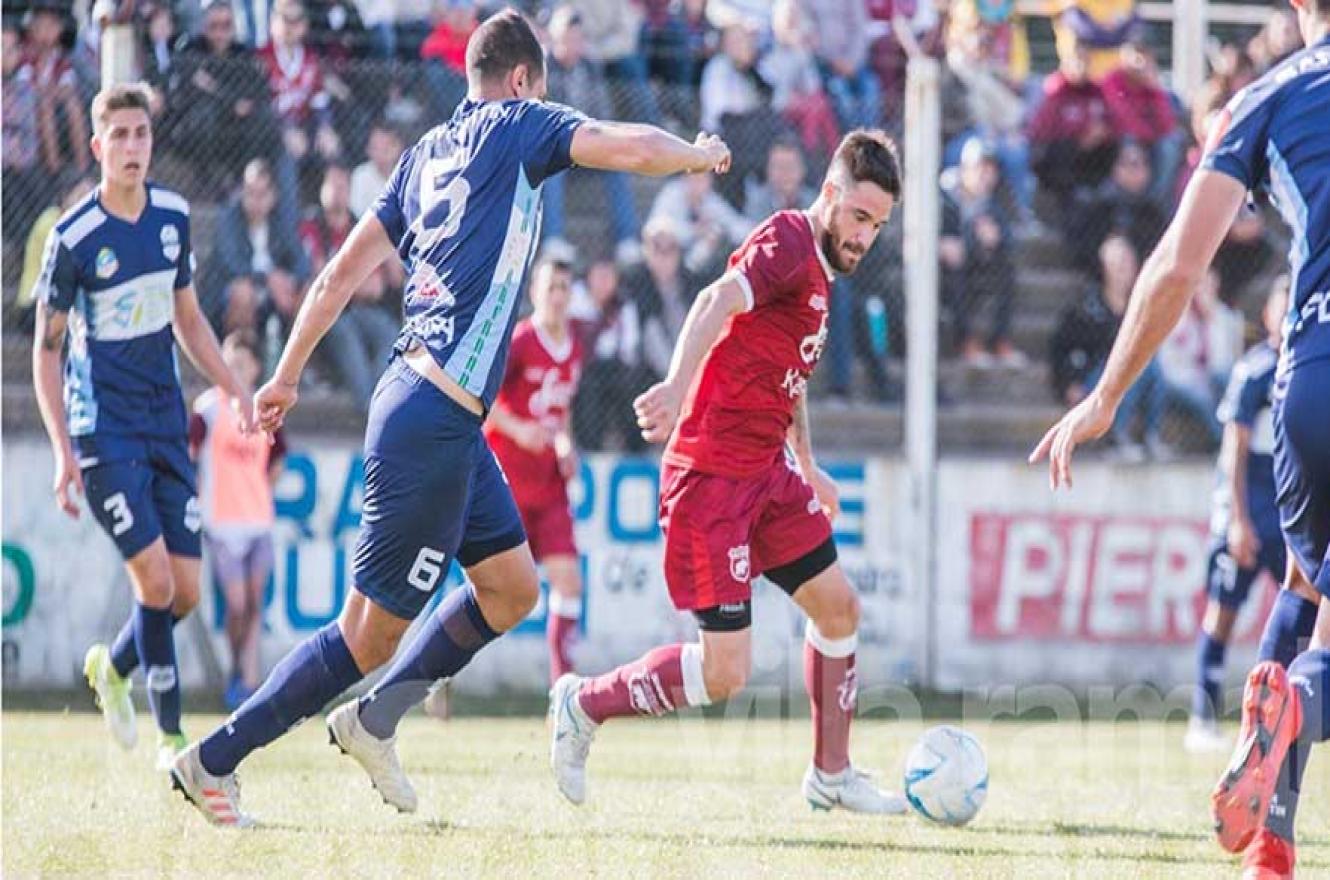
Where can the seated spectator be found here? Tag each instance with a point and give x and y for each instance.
(258, 270)
(616, 371)
(1188, 369)
(1142, 109)
(25, 177)
(995, 30)
(784, 187)
(1072, 143)
(1121, 205)
(222, 108)
(1080, 343)
(300, 98)
(157, 54)
(382, 150)
(444, 54)
(398, 29)
(74, 188)
(359, 343)
(1096, 29)
(337, 32)
(61, 112)
(975, 250)
(670, 59)
(663, 290)
(790, 67)
(710, 225)
(614, 36)
(842, 50)
(575, 81)
(731, 83)
(898, 30)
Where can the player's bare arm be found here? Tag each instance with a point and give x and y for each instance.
(529, 434)
(645, 149)
(195, 337)
(658, 407)
(366, 247)
(1162, 292)
(1243, 544)
(801, 441)
(47, 345)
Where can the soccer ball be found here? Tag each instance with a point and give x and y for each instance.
(946, 775)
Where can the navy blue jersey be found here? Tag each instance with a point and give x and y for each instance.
(463, 209)
(1278, 141)
(117, 280)
(1247, 402)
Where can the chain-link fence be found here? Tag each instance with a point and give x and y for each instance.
(1054, 191)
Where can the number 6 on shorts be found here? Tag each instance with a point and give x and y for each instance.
(429, 566)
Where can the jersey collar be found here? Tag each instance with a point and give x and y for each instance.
(559, 353)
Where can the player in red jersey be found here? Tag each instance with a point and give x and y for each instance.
(737, 501)
(528, 431)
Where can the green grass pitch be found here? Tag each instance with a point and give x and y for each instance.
(672, 798)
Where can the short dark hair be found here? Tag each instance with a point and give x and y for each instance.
(245, 339)
(501, 43)
(869, 154)
(126, 96)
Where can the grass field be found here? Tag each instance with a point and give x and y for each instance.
(676, 798)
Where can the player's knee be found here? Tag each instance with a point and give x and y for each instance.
(185, 598)
(724, 676)
(838, 616)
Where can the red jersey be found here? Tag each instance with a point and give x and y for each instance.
(740, 406)
(538, 383)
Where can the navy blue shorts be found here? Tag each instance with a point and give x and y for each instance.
(147, 490)
(1302, 467)
(1230, 585)
(433, 493)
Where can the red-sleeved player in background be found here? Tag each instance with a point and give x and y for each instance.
(735, 502)
(528, 431)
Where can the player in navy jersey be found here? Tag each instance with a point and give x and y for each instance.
(1246, 539)
(462, 211)
(1273, 138)
(117, 282)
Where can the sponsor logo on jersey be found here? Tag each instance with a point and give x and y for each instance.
(817, 302)
(170, 242)
(794, 382)
(106, 264)
(810, 348)
(426, 285)
(431, 327)
(739, 569)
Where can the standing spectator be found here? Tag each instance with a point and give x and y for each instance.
(614, 35)
(237, 473)
(259, 268)
(382, 150)
(444, 54)
(159, 68)
(75, 187)
(975, 250)
(790, 67)
(60, 115)
(575, 81)
(295, 77)
(223, 112)
(1095, 29)
(359, 342)
(1072, 143)
(785, 187)
(24, 176)
(1121, 205)
(663, 290)
(842, 51)
(709, 224)
(1142, 109)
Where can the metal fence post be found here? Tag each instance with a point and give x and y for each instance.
(118, 54)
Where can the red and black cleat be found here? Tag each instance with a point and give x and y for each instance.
(1268, 857)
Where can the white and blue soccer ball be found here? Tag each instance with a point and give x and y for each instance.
(946, 775)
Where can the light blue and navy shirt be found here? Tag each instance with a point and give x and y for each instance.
(1247, 402)
(463, 209)
(1278, 141)
(117, 280)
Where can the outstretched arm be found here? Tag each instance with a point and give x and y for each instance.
(645, 149)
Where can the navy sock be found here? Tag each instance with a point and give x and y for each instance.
(317, 670)
(124, 652)
(447, 642)
(1310, 676)
(1206, 704)
(156, 645)
(1290, 625)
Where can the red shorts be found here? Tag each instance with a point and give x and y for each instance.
(721, 532)
(549, 529)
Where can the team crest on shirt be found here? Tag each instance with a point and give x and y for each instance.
(170, 242)
(106, 264)
(739, 569)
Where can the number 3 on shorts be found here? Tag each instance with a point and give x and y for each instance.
(429, 566)
(122, 517)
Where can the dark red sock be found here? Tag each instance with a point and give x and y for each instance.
(650, 685)
(559, 632)
(832, 689)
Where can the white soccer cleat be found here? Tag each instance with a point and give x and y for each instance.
(169, 747)
(112, 694)
(571, 733)
(377, 757)
(851, 790)
(1205, 737)
(216, 797)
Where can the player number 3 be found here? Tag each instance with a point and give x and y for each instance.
(425, 573)
(122, 518)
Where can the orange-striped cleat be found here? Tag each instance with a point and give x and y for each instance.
(1268, 857)
(216, 797)
(1271, 719)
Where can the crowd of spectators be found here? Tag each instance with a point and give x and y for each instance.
(286, 117)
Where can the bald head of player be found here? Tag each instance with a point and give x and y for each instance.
(122, 135)
(505, 60)
(857, 196)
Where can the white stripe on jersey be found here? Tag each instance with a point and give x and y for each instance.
(138, 307)
(82, 227)
(171, 201)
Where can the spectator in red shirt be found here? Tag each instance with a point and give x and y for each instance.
(1072, 142)
(60, 116)
(444, 54)
(295, 78)
(1142, 109)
